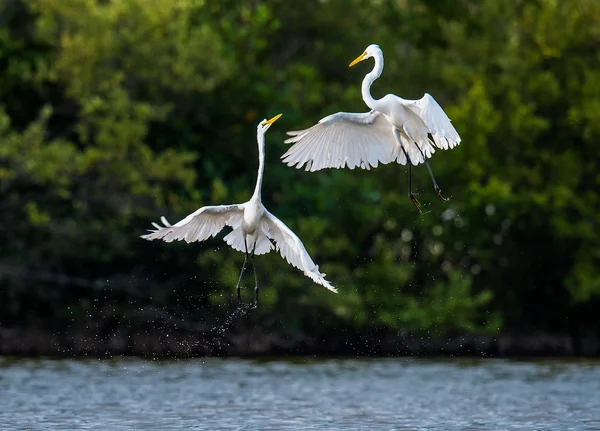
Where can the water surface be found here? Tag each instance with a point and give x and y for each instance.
(235, 394)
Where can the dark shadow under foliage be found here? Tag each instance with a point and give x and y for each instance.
(115, 113)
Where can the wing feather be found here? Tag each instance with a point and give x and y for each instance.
(440, 126)
(343, 139)
(200, 225)
(292, 250)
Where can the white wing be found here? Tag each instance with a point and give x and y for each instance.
(343, 139)
(200, 225)
(444, 134)
(292, 250)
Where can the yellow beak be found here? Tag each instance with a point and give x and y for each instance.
(272, 120)
(359, 59)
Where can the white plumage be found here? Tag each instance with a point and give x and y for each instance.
(343, 140)
(253, 226)
(405, 131)
(366, 139)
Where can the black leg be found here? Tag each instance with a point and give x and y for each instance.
(239, 297)
(435, 184)
(410, 193)
(255, 278)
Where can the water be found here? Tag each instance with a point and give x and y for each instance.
(235, 394)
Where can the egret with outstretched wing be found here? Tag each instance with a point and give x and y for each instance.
(253, 228)
(405, 131)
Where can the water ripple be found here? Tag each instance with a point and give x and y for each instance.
(235, 394)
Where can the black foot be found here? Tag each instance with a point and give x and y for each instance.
(439, 193)
(415, 202)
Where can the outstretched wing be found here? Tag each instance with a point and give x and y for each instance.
(340, 140)
(200, 225)
(443, 132)
(292, 250)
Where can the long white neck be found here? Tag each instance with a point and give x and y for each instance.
(260, 137)
(370, 78)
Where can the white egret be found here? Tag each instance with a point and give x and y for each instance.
(253, 227)
(394, 130)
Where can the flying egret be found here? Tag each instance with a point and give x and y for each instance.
(394, 130)
(253, 228)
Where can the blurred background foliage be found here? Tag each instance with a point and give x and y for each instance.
(113, 113)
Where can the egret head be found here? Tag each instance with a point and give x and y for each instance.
(371, 51)
(264, 125)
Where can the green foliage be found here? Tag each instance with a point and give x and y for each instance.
(117, 112)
